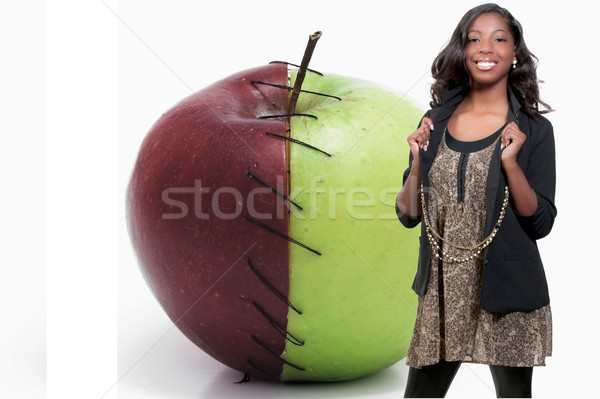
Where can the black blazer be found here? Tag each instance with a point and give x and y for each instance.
(513, 277)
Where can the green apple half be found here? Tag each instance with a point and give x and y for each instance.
(357, 305)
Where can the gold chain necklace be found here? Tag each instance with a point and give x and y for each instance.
(474, 249)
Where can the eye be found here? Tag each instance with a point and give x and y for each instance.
(473, 40)
(500, 39)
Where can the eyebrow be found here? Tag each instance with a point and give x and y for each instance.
(497, 30)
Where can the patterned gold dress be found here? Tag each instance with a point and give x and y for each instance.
(450, 322)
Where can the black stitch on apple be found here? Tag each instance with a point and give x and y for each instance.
(297, 66)
(245, 379)
(286, 334)
(288, 115)
(262, 370)
(253, 176)
(291, 88)
(281, 235)
(266, 282)
(272, 352)
(297, 142)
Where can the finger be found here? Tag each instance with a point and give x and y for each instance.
(505, 137)
(504, 142)
(514, 134)
(424, 138)
(514, 128)
(427, 122)
(420, 133)
(416, 138)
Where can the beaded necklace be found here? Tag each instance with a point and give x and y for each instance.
(475, 250)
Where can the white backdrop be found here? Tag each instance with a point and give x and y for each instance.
(114, 67)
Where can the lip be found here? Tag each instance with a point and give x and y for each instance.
(485, 64)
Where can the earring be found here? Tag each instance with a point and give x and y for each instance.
(514, 64)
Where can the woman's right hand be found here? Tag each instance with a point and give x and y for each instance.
(420, 138)
(409, 200)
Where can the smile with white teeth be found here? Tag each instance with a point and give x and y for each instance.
(485, 65)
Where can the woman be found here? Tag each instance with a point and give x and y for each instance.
(481, 178)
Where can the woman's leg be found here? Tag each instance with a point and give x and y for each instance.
(512, 382)
(431, 381)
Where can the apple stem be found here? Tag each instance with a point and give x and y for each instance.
(312, 42)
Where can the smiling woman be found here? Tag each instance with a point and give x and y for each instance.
(490, 51)
(483, 184)
(449, 68)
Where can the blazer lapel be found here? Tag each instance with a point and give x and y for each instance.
(496, 180)
(440, 117)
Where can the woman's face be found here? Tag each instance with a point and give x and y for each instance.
(490, 50)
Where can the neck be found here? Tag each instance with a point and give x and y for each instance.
(488, 97)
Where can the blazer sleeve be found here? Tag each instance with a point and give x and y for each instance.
(541, 175)
(408, 221)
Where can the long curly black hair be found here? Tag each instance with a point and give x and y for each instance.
(448, 68)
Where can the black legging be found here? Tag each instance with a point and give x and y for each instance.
(433, 381)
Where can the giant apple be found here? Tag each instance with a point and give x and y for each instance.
(271, 241)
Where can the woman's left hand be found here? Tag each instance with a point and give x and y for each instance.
(512, 139)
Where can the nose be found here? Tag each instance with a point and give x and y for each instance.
(485, 46)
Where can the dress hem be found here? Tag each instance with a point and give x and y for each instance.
(542, 363)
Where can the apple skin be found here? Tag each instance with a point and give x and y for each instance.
(348, 305)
